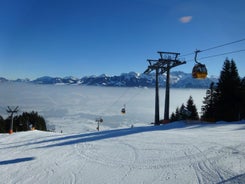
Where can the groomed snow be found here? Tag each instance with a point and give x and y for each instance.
(173, 153)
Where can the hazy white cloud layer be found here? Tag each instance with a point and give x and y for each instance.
(79, 106)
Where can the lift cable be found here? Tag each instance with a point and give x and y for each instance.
(215, 47)
(216, 55)
(218, 46)
(188, 54)
(115, 101)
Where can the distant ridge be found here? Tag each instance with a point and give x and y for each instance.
(178, 79)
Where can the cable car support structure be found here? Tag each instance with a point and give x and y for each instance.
(167, 61)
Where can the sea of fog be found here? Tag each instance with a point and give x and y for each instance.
(74, 109)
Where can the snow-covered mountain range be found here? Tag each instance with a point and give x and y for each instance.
(178, 79)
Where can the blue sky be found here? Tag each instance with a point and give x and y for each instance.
(86, 37)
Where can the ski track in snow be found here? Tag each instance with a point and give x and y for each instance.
(174, 153)
(189, 154)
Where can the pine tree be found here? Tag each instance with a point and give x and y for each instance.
(2, 125)
(191, 107)
(227, 101)
(177, 116)
(242, 95)
(185, 112)
(29, 120)
(173, 117)
(208, 108)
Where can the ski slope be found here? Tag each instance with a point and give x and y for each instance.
(173, 153)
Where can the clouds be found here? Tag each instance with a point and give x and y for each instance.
(185, 19)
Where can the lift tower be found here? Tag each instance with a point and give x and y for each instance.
(9, 110)
(155, 65)
(167, 61)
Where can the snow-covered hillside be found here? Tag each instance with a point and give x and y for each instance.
(173, 153)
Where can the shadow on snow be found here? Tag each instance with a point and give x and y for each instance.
(236, 179)
(95, 136)
(17, 160)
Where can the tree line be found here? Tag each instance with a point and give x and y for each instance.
(25, 121)
(224, 101)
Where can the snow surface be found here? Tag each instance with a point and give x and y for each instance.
(173, 153)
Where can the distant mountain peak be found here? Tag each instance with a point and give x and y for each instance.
(178, 79)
